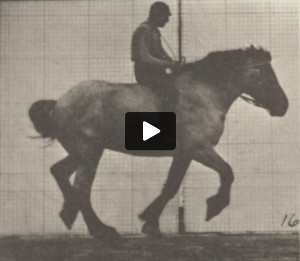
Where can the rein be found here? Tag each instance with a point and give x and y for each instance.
(169, 47)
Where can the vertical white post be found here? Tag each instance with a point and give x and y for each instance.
(181, 227)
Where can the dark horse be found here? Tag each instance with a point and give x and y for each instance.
(90, 118)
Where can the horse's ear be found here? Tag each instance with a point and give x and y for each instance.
(251, 50)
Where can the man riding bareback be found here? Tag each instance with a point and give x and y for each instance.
(153, 67)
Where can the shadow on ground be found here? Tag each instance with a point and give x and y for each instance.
(190, 247)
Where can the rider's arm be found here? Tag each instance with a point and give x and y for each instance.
(165, 55)
(145, 55)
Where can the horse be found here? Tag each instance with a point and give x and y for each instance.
(90, 118)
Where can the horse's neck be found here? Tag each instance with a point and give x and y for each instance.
(201, 95)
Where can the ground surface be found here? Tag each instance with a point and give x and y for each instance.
(202, 247)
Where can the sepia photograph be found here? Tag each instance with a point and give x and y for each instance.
(143, 130)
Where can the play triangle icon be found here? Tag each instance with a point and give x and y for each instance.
(149, 131)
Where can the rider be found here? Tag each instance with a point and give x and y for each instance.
(153, 67)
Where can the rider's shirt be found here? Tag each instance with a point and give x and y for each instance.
(146, 46)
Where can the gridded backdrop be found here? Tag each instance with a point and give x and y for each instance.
(48, 46)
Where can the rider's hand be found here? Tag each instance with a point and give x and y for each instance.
(173, 67)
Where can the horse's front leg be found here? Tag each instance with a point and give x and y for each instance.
(62, 171)
(218, 202)
(152, 213)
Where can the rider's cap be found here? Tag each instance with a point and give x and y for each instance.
(158, 9)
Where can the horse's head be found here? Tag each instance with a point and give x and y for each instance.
(260, 82)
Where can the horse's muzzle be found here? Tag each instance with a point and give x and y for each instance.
(279, 111)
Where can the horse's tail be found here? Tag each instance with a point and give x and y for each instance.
(40, 114)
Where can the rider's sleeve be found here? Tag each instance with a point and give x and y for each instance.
(165, 55)
(145, 55)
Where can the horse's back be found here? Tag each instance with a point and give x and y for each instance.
(94, 107)
(126, 96)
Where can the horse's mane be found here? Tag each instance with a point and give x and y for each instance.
(216, 66)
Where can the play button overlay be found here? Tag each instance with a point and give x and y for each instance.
(150, 131)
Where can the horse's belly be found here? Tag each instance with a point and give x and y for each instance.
(143, 153)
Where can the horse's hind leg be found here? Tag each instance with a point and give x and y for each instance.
(152, 213)
(85, 173)
(218, 202)
(62, 171)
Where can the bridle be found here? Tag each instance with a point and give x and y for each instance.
(255, 71)
(251, 100)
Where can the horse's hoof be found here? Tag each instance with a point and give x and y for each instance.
(108, 235)
(215, 205)
(68, 217)
(151, 229)
(111, 237)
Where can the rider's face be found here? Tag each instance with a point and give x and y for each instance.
(162, 20)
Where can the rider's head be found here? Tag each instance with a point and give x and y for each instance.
(159, 14)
